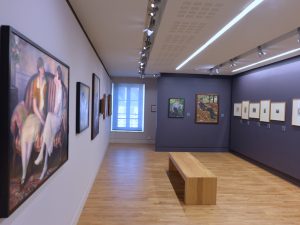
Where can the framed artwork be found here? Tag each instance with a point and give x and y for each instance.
(95, 105)
(296, 112)
(245, 110)
(265, 111)
(237, 109)
(34, 113)
(109, 105)
(103, 103)
(82, 107)
(153, 108)
(207, 108)
(176, 108)
(278, 111)
(254, 109)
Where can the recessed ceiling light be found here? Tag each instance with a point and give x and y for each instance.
(266, 60)
(222, 31)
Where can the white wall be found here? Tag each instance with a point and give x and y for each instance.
(148, 136)
(51, 24)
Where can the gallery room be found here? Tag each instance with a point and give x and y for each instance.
(158, 112)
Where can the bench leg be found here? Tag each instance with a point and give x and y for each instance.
(171, 166)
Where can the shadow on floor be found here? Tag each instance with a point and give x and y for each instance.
(178, 184)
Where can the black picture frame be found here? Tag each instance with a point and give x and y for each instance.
(95, 106)
(82, 107)
(22, 64)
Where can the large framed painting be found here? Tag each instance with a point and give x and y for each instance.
(254, 108)
(95, 105)
(82, 107)
(34, 114)
(207, 108)
(245, 110)
(265, 111)
(296, 112)
(237, 109)
(176, 108)
(277, 111)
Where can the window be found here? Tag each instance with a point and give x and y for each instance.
(128, 107)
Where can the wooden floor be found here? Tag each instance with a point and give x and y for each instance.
(134, 188)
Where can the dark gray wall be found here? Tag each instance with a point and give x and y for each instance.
(183, 134)
(271, 146)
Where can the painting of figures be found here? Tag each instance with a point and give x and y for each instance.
(207, 108)
(37, 103)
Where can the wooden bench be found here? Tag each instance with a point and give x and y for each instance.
(200, 184)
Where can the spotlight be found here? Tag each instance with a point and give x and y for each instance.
(152, 5)
(260, 51)
(217, 70)
(152, 14)
(148, 31)
(232, 63)
(298, 31)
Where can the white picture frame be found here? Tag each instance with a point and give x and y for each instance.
(245, 110)
(278, 111)
(254, 110)
(265, 111)
(296, 112)
(237, 109)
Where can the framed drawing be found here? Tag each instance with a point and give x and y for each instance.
(245, 110)
(237, 109)
(95, 106)
(82, 107)
(109, 105)
(176, 108)
(207, 108)
(35, 118)
(254, 109)
(265, 111)
(278, 111)
(153, 108)
(296, 112)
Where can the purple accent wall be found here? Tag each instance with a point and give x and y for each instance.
(183, 134)
(277, 146)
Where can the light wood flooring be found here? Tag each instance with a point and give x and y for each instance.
(134, 188)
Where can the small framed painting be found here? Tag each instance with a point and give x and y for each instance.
(254, 109)
(176, 108)
(207, 108)
(103, 108)
(237, 109)
(95, 106)
(82, 107)
(278, 111)
(296, 112)
(265, 111)
(109, 105)
(245, 110)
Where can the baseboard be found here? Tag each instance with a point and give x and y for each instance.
(132, 141)
(271, 170)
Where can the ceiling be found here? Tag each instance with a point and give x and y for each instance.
(115, 27)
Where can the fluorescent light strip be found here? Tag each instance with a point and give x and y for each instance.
(222, 31)
(268, 59)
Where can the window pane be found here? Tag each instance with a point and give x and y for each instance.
(134, 123)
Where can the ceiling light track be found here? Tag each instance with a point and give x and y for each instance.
(236, 19)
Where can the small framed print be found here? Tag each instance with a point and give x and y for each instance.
(296, 112)
(278, 111)
(245, 110)
(237, 109)
(153, 108)
(254, 109)
(265, 111)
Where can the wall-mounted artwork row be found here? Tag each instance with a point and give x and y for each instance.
(82, 107)
(207, 108)
(95, 106)
(176, 108)
(34, 114)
